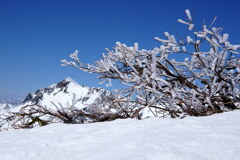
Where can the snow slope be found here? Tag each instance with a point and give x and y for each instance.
(215, 137)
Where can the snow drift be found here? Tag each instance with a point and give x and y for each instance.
(193, 138)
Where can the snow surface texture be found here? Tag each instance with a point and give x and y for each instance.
(193, 138)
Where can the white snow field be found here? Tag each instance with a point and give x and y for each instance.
(215, 137)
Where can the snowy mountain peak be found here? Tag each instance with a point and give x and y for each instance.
(69, 79)
(64, 92)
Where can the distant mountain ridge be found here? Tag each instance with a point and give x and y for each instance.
(11, 101)
(7, 103)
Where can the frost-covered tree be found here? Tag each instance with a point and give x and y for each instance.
(205, 82)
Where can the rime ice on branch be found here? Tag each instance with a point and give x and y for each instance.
(206, 82)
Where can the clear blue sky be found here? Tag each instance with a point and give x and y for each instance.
(36, 34)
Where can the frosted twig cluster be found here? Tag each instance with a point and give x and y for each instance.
(205, 82)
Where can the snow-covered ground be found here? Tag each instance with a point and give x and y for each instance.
(215, 137)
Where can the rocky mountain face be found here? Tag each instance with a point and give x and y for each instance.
(64, 93)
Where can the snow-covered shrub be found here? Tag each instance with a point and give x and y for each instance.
(205, 82)
(30, 116)
(108, 108)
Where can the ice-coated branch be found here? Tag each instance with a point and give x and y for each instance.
(206, 82)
